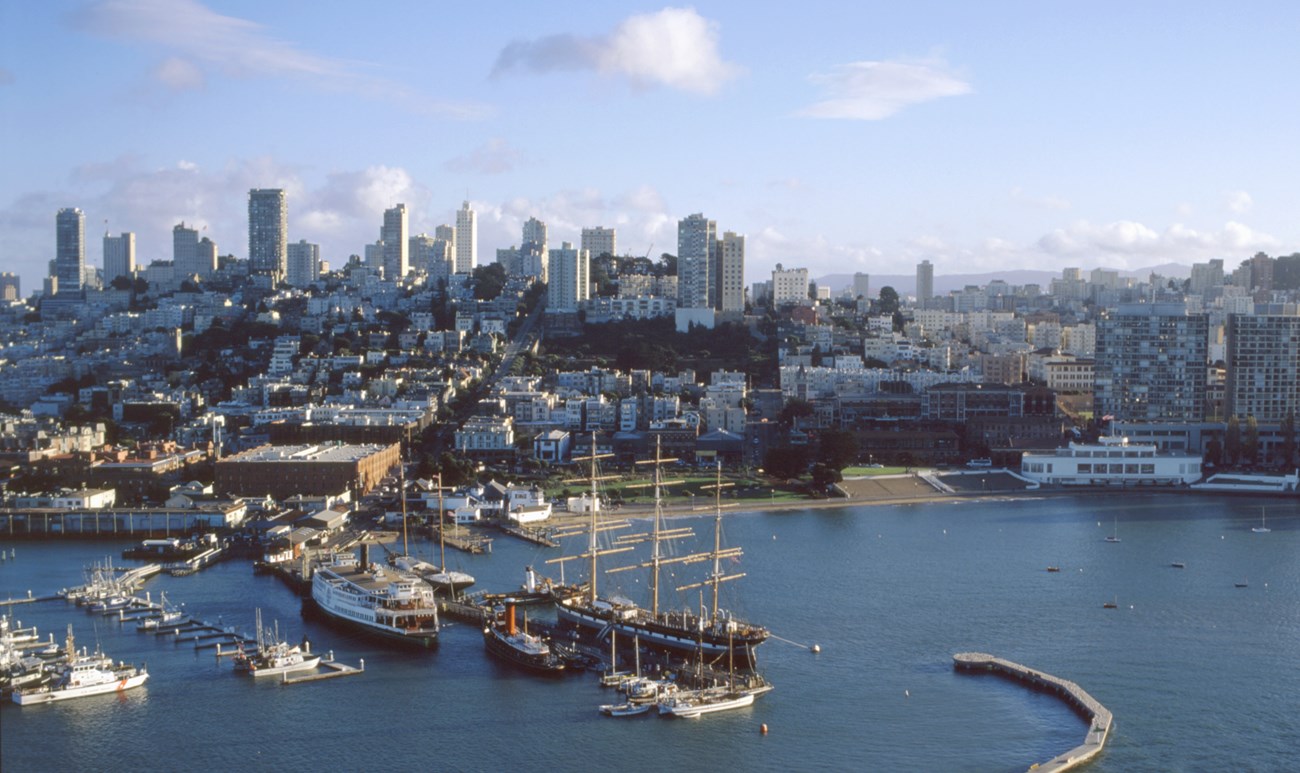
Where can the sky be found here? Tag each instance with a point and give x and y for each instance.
(840, 137)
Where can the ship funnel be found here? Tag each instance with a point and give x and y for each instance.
(530, 579)
(365, 557)
(510, 618)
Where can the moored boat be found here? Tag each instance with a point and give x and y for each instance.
(85, 675)
(507, 640)
(274, 657)
(384, 602)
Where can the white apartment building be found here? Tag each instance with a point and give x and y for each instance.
(789, 285)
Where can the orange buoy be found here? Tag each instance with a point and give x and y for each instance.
(762, 729)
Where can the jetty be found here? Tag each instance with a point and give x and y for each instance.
(193, 564)
(471, 543)
(332, 670)
(1099, 717)
(529, 534)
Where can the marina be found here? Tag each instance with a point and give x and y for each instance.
(880, 694)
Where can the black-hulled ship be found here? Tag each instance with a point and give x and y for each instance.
(507, 640)
(715, 634)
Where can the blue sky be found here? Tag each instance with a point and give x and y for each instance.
(840, 137)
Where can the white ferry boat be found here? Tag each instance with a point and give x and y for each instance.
(1111, 461)
(86, 674)
(378, 600)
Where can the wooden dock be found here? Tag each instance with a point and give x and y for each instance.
(333, 670)
(530, 534)
(471, 613)
(468, 543)
(1100, 719)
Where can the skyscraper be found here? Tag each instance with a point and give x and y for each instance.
(861, 285)
(10, 287)
(303, 264)
(466, 240)
(731, 273)
(396, 249)
(696, 248)
(185, 251)
(119, 256)
(569, 275)
(924, 282)
(268, 232)
(70, 249)
(1262, 375)
(533, 250)
(599, 241)
(1150, 363)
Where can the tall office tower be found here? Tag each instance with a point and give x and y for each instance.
(420, 250)
(268, 232)
(789, 286)
(185, 251)
(396, 249)
(599, 241)
(1150, 363)
(10, 287)
(924, 282)
(731, 273)
(119, 256)
(533, 250)
(861, 285)
(70, 249)
(569, 272)
(303, 264)
(466, 240)
(696, 249)
(206, 257)
(1263, 379)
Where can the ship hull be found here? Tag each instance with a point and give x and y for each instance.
(427, 640)
(52, 695)
(662, 637)
(543, 664)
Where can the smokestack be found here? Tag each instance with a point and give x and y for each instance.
(510, 618)
(365, 557)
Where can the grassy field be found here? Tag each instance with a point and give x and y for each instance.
(859, 472)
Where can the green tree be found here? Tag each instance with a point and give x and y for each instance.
(489, 281)
(888, 303)
(837, 449)
(789, 462)
(824, 475)
(795, 408)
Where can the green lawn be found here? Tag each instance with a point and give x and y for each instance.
(858, 472)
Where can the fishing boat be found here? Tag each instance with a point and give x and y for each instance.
(1262, 528)
(385, 602)
(1114, 535)
(86, 674)
(1111, 604)
(719, 633)
(170, 617)
(273, 656)
(512, 642)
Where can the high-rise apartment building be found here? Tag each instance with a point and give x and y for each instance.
(119, 256)
(466, 240)
(185, 251)
(533, 250)
(789, 286)
(696, 262)
(861, 285)
(396, 249)
(1263, 367)
(924, 282)
(206, 257)
(599, 241)
(731, 273)
(303, 264)
(70, 249)
(569, 273)
(1151, 363)
(10, 287)
(268, 232)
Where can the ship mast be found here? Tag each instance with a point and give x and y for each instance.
(654, 551)
(717, 538)
(591, 543)
(401, 493)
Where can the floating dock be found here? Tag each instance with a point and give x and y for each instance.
(333, 670)
(1100, 719)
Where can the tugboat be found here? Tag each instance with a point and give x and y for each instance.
(508, 641)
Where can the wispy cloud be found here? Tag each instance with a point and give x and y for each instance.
(674, 47)
(871, 91)
(1239, 202)
(198, 41)
(492, 157)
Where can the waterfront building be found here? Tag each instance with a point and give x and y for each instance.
(1263, 376)
(569, 272)
(268, 232)
(119, 256)
(599, 241)
(1151, 363)
(924, 282)
(466, 247)
(1112, 461)
(70, 250)
(302, 266)
(283, 471)
(396, 249)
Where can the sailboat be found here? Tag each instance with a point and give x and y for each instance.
(678, 632)
(1114, 535)
(1262, 528)
(451, 582)
(707, 700)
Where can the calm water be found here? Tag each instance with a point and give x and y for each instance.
(1200, 675)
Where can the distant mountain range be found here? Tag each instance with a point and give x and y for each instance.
(905, 284)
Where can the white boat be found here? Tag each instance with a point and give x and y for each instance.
(628, 709)
(378, 600)
(85, 675)
(274, 657)
(1262, 528)
(170, 616)
(695, 703)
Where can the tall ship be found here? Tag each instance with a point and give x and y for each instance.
(382, 601)
(84, 675)
(714, 634)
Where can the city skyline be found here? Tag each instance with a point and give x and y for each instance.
(979, 139)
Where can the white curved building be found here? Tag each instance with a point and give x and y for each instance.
(1112, 461)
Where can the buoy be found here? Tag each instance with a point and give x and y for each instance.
(763, 728)
(774, 537)
(907, 694)
(816, 648)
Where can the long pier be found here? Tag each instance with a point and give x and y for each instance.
(1100, 719)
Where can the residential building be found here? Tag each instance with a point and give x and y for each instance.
(1151, 363)
(1263, 367)
(924, 282)
(70, 250)
(303, 264)
(789, 286)
(119, 256)
(696, 262)
(568, 272)
(731, 273)
(466, 240)
(268, 232)
(396, 249)
(599, 241)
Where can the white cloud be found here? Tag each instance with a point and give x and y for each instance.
(871, 91)
(200, 40)
(492, 157)
(674, 47)
(1239, 202)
